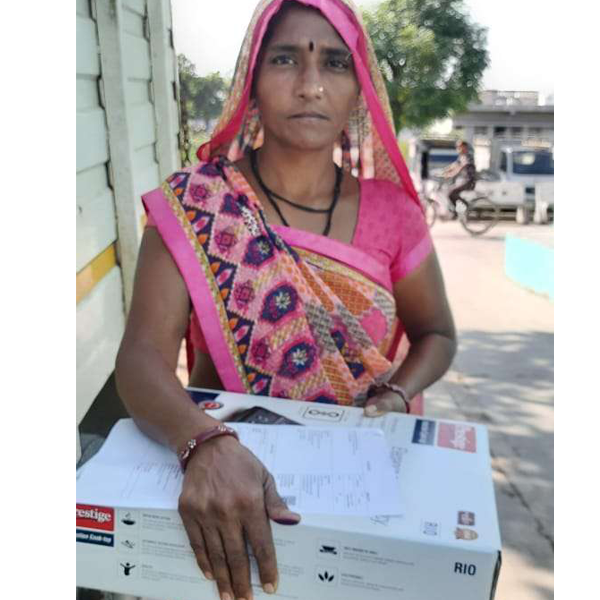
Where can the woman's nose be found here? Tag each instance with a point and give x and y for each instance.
(309, 85)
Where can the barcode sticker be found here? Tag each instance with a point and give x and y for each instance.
(289, 500)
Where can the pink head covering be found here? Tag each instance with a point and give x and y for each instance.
(372, 151)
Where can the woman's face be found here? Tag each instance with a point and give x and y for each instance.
(306, 86)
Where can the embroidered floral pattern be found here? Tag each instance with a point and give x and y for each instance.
(225, 239)
(198, 193)
(297, 360)
(231, 206)
(279, 302)
(260, 352)
(259, 250)
(243, 294)
(287, 331)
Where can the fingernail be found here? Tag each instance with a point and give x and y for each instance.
(225, 596)
(209, 575)
(371, 409)
(269, 588)
(286, 521)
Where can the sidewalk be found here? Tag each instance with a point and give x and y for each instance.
(503, 377)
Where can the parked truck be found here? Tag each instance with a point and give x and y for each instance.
(532, 166)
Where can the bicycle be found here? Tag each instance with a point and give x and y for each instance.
(477, 216)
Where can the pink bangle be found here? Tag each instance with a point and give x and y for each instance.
(192, 445)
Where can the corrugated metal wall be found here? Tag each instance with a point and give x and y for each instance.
(127, 126)
(96, 224)
(138, 73)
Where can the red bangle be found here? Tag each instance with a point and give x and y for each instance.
(192, 445)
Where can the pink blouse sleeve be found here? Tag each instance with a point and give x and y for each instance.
(391, 227)
(414, 241)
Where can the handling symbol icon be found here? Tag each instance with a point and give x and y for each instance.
(326, 577)
(127, 567)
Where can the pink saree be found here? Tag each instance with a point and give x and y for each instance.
(283, 312)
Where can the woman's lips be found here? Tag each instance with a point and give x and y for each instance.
(308, 116)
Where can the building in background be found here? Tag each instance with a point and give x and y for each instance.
(512, 135)
(518, 116)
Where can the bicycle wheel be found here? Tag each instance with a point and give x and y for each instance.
(480, 215)
(431, 211)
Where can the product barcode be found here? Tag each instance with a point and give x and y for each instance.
(289, 500)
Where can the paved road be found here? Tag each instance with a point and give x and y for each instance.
(503, 376)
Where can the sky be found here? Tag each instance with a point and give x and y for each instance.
(521, 38)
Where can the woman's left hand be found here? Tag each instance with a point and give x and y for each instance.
(384, 402)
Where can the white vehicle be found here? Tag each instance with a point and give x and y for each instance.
(516, 164)
(508, 195)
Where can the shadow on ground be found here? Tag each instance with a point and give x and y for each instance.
(510, 377)
(505, 381)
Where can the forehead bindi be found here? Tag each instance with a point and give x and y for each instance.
(306, 29)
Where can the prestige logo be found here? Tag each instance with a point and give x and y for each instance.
(95, 517)
(94, 514)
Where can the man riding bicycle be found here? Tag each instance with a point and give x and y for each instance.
(462, 171)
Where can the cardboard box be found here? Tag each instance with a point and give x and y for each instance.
(445, 547)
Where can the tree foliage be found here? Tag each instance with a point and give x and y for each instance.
(201, 97)
(432, 57)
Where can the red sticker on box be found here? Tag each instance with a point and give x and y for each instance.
(210, 405)
(457, 436)
(95, 517)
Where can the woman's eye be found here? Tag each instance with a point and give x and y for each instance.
(338, 64)
(283, 59)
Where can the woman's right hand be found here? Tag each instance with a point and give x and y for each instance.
(227, 499)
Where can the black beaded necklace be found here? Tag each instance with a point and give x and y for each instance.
(271, 195)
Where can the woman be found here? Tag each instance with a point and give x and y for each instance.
(301, 277)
